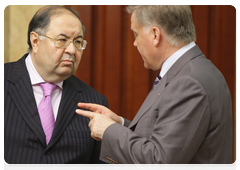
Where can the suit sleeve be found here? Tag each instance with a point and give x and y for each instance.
(97, 146)
(182, 123)
(126, 122)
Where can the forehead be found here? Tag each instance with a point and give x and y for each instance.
(65, 23)
(134, 24)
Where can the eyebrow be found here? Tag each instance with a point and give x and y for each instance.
(80, 36)
(132, 29)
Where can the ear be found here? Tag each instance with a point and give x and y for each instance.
(156, 33)
(34, 38)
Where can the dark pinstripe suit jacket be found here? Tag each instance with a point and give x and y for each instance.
(24, 139)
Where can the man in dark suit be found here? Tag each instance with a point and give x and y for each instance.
(187, 116)
(56, 44)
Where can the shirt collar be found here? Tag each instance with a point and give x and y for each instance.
(34, 75)
(173, 58)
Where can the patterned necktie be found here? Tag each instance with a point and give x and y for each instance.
(158, 78)
(45, 110)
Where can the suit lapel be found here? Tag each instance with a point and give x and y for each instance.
(22, 95)
(151, 98)
(172, 72)
(68, 105)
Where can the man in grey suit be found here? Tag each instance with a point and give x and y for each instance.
(55, 39)
(187, 116)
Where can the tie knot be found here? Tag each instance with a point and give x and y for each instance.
(158, 78)
(47, 88)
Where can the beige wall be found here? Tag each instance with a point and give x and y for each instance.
(16, 20)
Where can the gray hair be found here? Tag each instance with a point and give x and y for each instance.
(174, 20)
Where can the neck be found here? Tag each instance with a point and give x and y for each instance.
(169, 50)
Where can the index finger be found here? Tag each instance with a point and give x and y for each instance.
(85, 113)
(91, 106)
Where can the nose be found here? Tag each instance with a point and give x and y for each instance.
(70, 49)
(135, 43)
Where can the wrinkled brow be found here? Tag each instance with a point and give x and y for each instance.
(64, 35)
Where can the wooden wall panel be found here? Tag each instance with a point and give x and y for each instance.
(98, 37)
(201, 21)
(112, 58)
(127, 72)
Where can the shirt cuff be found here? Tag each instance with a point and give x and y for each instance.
(122, 120)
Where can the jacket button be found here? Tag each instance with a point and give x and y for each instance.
(47, 153)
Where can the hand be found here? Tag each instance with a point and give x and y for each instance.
(102, 110)
(98, 122)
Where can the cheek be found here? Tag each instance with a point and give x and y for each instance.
(141, 43)
(51, 56)
(78, 58)
(55, 56)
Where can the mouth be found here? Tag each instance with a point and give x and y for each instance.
(67, 62)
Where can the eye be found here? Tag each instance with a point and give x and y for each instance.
(78, 41)
(62, 40)
(135, 35)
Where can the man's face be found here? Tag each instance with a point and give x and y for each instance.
(56, 64)
(143, 42)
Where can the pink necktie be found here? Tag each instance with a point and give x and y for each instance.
(45, 110)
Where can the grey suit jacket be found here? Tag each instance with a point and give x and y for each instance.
(186, 118)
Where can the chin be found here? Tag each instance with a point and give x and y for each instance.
(65, 74)
(146, 66)
(68, 74)
(67, 71)
(150, 68)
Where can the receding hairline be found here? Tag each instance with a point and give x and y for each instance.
(54, 9)
(58, 11)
